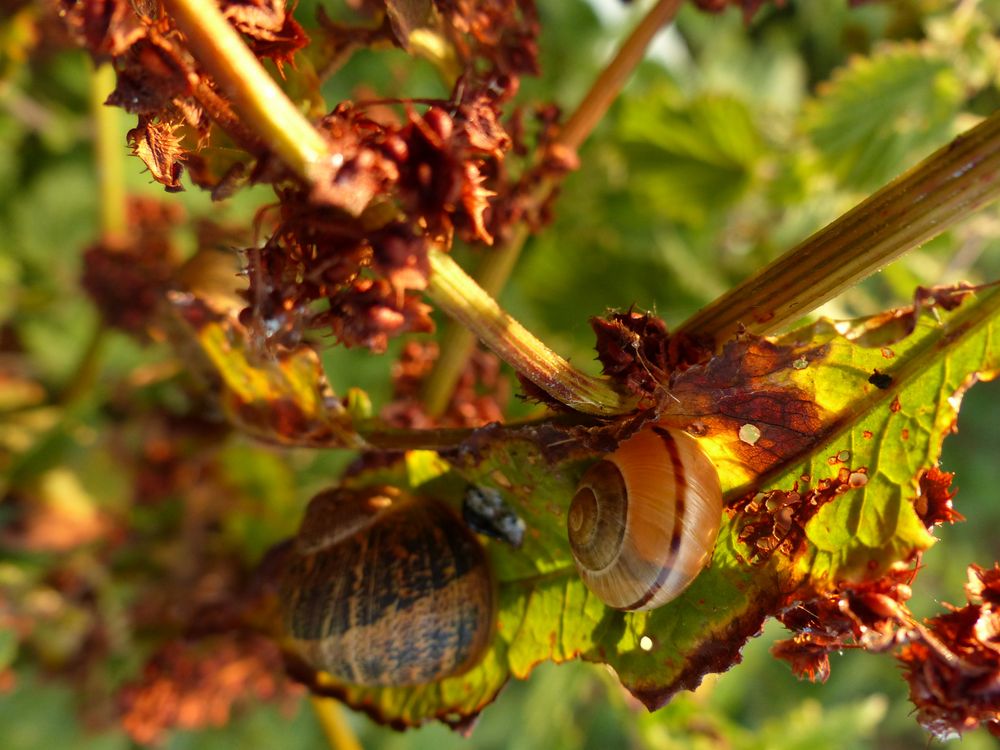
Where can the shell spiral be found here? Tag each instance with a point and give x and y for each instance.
(644, 519)
(387, 589)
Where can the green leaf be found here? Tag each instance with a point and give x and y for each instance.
(263, 508)
(887, 434)
(691, 158)
(883, 111)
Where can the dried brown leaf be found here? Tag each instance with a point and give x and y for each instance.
(934, 504)
(159, 147)
(953, 663)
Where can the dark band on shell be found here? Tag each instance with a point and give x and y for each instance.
(644, 519)
(405, 598)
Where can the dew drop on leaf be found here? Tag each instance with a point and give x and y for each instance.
(749, 434)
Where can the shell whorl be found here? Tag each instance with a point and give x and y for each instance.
(403, 596)
(644, 519)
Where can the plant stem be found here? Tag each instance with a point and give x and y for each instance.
(261, 102)
(87, 368)
(109, 162)
(269, 113)
(460, 297)
(614, 77)
(918, 205)
(457, 341)
(338, 733)
(109, 159)
(379, 437)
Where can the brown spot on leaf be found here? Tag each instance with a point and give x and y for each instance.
(895, 406)
(776, 520)
(858, 479)
(750, 381)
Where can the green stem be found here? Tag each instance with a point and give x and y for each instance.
(109, 159)
(458, 341)
(87, 367)
(458, 296)
(918, 205)
(263, 105)
(270, 114)
(336, 730)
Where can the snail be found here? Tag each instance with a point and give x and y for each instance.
(644, 519)
(387, 589)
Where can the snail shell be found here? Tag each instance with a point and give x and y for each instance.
(387, 589)
(644, 519)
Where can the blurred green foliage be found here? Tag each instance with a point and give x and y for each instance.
(733, 142)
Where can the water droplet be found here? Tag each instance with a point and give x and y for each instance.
(749, 434)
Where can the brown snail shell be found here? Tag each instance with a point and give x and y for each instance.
(644, 519)
(387, 589)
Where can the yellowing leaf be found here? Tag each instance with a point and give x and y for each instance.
(870, 440)
(282, 397)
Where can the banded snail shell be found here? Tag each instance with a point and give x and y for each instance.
(644, 519)
(387, 589)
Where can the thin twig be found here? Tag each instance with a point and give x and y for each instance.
(456, 294)
(458, 341)
(338, 733)
(109, 159)
(87, 368)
